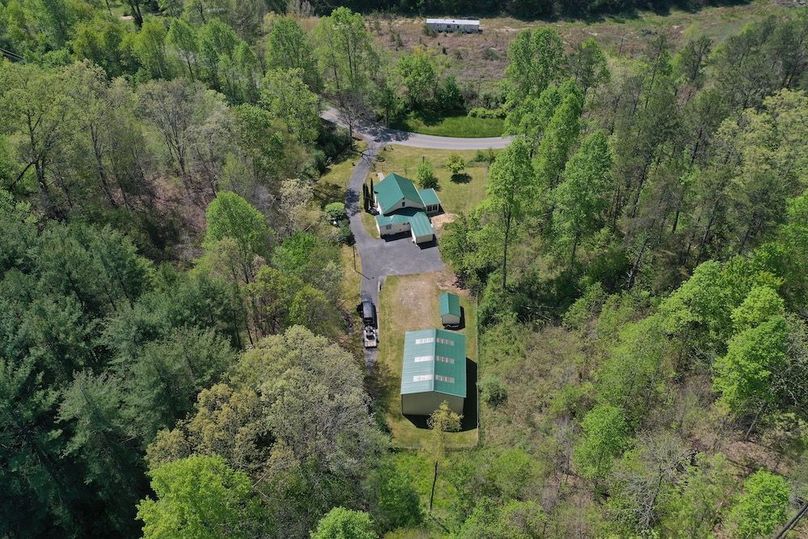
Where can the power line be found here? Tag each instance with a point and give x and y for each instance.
(793, 522)
(13, 56)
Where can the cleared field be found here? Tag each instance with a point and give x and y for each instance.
(407, 303)
(479, 60)
(454, 126)
(457, 195)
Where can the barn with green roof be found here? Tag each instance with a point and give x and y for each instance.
(403, 208)
(433, 371)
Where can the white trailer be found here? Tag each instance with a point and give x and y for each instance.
(468, 26)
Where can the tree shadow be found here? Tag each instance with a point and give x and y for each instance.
(462, 177)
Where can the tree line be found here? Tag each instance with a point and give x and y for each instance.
(637, 262)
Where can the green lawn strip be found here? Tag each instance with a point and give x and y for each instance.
(397, 317)
(454, 126)
(457, 195)
(369, 222)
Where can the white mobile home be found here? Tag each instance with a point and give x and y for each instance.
(469, 26)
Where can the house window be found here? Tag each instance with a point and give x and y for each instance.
(387, 227)
(402, 203)
(441, 378)
(422, 378)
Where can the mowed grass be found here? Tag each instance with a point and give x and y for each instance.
(454, 126)
(408, 303)
(458, 195)
(332, 185)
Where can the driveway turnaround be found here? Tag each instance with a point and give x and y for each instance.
(374, 131)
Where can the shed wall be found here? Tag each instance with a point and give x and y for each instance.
(426, 403)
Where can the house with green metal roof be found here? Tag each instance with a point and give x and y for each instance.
(403, 208)
(449, 309)
(433, 371)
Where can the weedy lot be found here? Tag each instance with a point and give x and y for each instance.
(480, 59)
(408, 303)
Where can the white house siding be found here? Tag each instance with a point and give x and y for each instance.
(393, 229)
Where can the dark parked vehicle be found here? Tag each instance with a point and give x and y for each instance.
(368, 313)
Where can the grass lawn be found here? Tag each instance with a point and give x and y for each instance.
(453, 126)
(332, 185)
(369, 222)
(458, 195)
(407, 303)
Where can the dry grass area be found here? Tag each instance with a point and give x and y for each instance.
(480, 59)
(457, 195)
(408, 303)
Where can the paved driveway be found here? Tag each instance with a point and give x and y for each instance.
(399, 256)
(374, 131)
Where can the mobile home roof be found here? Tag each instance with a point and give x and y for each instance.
(474, 22)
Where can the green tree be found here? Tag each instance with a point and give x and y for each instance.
(231, 217)
(200, 496)
(395, 503)
(605, 436)
(694, 506)
(286, 97)
(346, 55)
(164, 378)
(149, 45)
(182, 37)
(535, 60)
(426, 175)
(455, 164)
(101, 40)
(761, 507)
(559, 137)
(288, 47)
(761, 303)
(754, 356)
(587, 65)
(419, 76)
(584, 194)
(341, 523)
(510, 191)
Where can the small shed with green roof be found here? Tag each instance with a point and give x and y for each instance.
(449, 309)
(433, 371)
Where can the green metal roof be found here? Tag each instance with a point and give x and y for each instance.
(434, 360)
(429, 197)
(392, 189)
(420, 225)
(419, 222)
(449, 304)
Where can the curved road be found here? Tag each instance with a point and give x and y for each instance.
(374, 132)
(399, 256)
